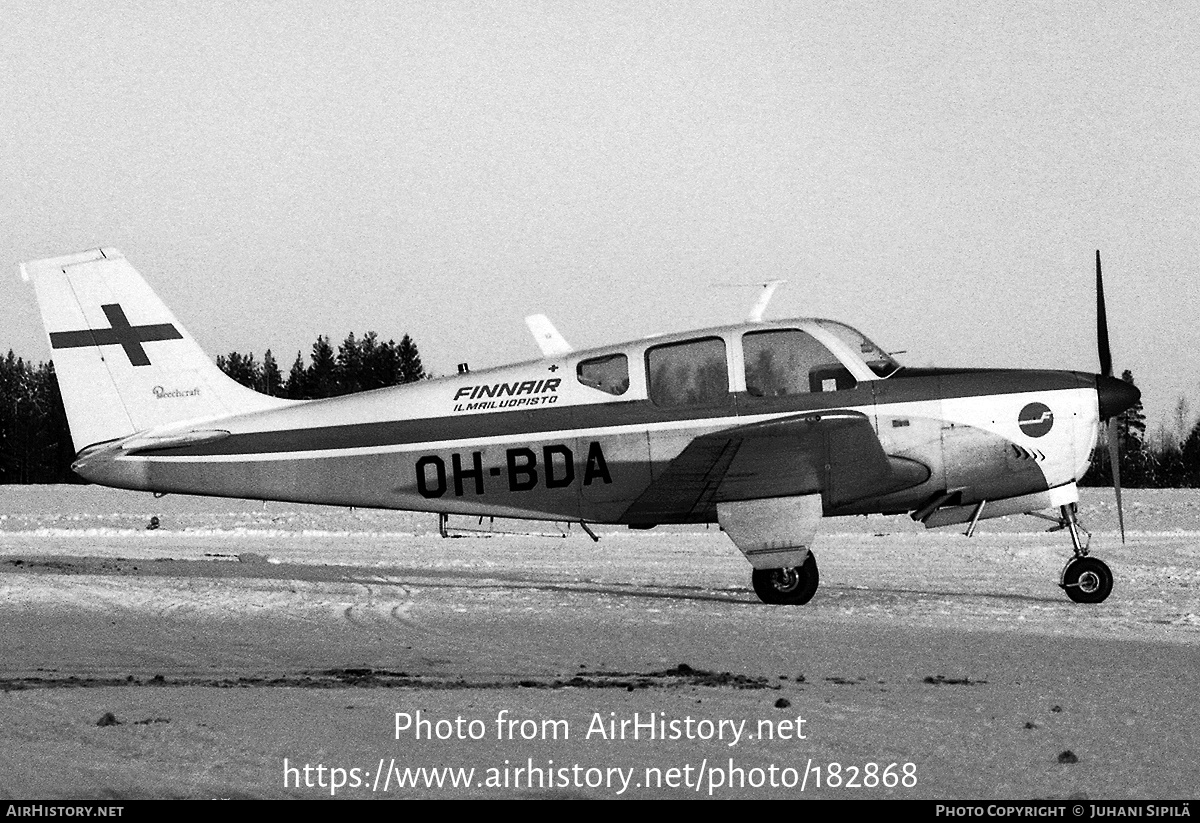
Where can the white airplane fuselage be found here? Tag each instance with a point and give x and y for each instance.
(533, 441)
(763, 427)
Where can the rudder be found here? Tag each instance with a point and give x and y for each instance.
(123, 361)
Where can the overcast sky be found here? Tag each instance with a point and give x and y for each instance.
(937, 174)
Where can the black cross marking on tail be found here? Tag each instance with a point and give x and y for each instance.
(121, 334)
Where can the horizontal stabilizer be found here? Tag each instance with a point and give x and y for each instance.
(147, 443)
(548, 339)
(760, 306)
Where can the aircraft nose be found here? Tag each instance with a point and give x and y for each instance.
(1115, 395)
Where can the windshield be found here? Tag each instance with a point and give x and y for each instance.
(875, 358)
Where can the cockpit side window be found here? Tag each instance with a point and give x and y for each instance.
(608, 374)
(693, 373)
(875, 358)
(790, 361)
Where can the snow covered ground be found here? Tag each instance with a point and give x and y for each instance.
(238, 634)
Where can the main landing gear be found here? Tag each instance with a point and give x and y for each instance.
(794, 586)
(1085, 579)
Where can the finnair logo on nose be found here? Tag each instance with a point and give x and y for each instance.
(1035, 419)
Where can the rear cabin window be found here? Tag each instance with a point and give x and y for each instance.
(608, 374)
(688, 374)
(782, 363)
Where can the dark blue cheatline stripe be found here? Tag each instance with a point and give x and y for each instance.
(531, 422)
(927, 384)
(518, 423)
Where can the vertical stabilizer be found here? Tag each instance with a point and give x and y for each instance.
(124, 363)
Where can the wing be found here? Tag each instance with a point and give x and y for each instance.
(836, 454)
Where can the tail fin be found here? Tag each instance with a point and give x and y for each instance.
(124, 363)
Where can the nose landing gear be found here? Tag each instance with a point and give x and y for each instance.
(1085, 579)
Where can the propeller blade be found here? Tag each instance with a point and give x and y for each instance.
(1102, 324)
(1115, 462)
(1114, 396)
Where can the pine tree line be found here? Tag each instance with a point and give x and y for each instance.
(358, 365)
(35, 442)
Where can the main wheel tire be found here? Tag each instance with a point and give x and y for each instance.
(788, 587)
(1087, 580)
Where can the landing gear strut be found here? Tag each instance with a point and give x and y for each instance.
(1085, 579)
(794, 586)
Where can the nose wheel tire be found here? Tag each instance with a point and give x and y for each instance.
(793, 586)
(1087, 580)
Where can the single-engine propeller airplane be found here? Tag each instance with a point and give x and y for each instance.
(764, 427)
